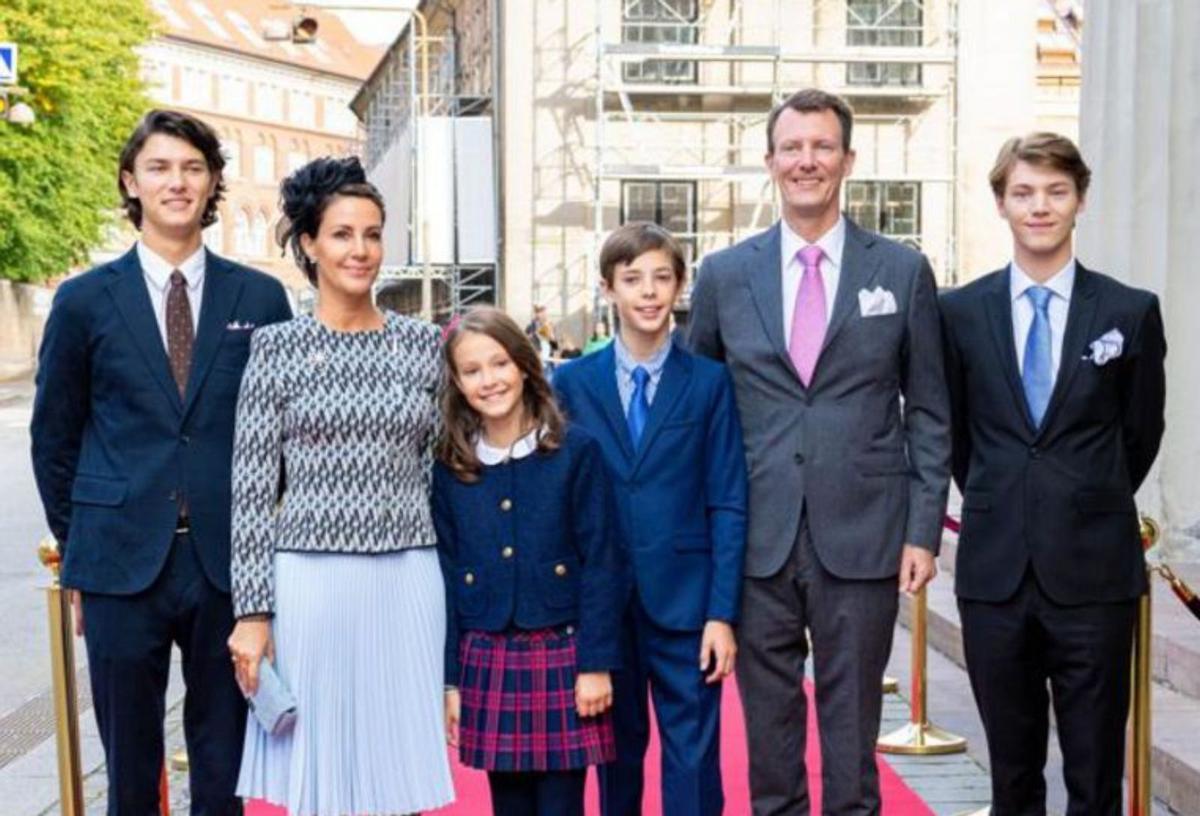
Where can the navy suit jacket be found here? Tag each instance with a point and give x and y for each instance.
(1059, 497)
(681, 496)
(115, 449)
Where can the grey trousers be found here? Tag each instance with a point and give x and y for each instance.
(850, 623)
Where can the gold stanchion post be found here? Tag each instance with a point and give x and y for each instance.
(62, 666)
(919, 736)
(1139, 707)
(890, 684)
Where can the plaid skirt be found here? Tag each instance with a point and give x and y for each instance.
(518, 704)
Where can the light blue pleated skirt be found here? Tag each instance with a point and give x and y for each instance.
(359, 641)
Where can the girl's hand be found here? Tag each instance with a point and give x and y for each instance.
(248, 645)
(453, 712)
(593, 693)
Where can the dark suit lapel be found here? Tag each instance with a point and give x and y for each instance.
(218, 297)
(859, 266)
(670, 387)
(606, 394)
(998, 308)
(132, 299)
(1081, 317)
(766, 286)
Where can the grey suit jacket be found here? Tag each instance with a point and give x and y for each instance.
(866, 447)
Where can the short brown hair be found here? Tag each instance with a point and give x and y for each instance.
(813, 100)
(178, 125)
(1041, 150)
(628, 241)
(461, 425)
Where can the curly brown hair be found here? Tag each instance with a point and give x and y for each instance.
(461, 424)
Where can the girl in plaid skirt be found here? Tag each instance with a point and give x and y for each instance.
(534, 576)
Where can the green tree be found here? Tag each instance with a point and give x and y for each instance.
(58, 178)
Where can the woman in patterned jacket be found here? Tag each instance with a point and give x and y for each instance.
(335, 575)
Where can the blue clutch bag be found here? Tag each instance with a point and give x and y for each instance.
(273, 704)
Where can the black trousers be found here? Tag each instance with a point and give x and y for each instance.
(1027, 653)
(537, 793)
(129, 641)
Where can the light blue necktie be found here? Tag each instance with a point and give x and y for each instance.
(639, 406)
(1037, 369)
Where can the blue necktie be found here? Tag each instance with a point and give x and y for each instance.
(1036, 373)
(639, 406)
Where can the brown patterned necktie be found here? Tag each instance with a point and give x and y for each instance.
(181, 334)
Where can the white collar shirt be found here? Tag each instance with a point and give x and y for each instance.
(1061, 285)
(490, 455)
(157, 273)
(831, 243)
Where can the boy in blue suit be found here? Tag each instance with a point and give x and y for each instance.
(668, 426)
(132, 430)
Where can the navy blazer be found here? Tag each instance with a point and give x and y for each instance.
(681, 496)
(1058, 498)
(115, 449)
(530, 545)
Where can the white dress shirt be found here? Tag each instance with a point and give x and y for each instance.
(1061, 284)
(790, 243)
(157, 273)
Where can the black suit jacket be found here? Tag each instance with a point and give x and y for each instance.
(114, 447)
(1059, 497)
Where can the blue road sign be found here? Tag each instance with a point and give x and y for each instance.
(8, 63)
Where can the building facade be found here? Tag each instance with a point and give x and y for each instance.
(275, 104)
(605, 111)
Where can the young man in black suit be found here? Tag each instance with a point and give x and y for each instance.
(1057, 388)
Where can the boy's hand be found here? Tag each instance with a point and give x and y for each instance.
(453, 713)
(718, 648)
(593, 693)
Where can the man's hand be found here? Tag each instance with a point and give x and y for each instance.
(248, 645)
(593, 693)
(453, 714)
(718, 648)
(77, 608)
(917, 568)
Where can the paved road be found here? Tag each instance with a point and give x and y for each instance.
(24, 642)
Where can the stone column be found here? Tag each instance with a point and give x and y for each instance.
(1139, 130)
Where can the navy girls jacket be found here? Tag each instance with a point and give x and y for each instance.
(533, 544)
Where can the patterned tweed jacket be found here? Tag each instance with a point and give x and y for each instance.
(334, 446)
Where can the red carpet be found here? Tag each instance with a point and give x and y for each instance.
(898, 798)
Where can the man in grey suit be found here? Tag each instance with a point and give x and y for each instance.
(832, 336)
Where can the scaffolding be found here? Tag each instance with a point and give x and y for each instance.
(684, 87)
(440, 67)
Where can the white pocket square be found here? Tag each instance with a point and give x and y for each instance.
(1107, 346)
(236, 326)
(876, 302)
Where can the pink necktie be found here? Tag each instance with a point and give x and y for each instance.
(808, 318)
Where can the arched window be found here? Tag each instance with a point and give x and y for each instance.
(214, 237)
(241, 233)
(258, 235)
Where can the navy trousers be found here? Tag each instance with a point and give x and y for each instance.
(129, 641)
(688, 713)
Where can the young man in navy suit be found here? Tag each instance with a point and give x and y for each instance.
(668, 425)
(137, 382)
(1057, 388)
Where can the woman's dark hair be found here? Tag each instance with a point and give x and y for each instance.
(306, 194)
(461, 425)
(181, 126)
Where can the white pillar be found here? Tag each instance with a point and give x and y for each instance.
(1139, 130)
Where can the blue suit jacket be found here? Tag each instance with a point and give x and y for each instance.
(114, 447)
(681, 496)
